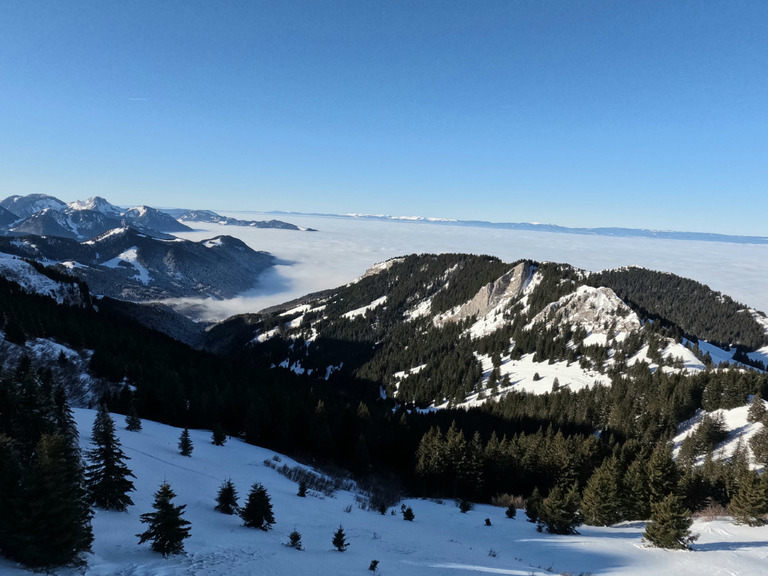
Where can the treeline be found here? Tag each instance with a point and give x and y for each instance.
(697, 310)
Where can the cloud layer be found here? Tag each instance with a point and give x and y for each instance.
(342, 250)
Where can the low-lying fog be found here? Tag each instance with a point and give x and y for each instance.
(342, 249)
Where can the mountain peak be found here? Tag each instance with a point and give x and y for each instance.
(97, 204)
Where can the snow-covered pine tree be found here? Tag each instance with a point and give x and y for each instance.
(185, 443)
(167, 528)
(107, 475)
(226, 500)
(257, 512)
(340, 539)
(670, 524)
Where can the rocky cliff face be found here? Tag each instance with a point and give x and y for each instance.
(498, 293)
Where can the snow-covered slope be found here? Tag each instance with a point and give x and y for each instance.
(440, 540)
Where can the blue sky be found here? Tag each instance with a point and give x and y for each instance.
(644, 114)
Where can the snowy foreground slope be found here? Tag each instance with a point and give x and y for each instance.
(441, 540)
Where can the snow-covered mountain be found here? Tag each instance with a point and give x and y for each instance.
(40, 214)
(153, 219)
(124, 263)
(25, 206)
(519, 327)
(210, 217)
(96, 204)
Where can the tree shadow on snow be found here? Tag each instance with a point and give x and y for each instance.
(720, 546)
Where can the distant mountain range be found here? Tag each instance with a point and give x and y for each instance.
(538, 227)
(131, 253)
(44, 215)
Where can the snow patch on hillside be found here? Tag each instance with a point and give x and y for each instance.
(130, 256)
(740, 431)
(525, 375)
(423, 308)
(361, 311)
(33, 282)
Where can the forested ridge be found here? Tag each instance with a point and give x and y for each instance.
(323, 390)
(693, 307)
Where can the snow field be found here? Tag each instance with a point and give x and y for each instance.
(439, 541)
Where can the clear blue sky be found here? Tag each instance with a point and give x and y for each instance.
(649, 114)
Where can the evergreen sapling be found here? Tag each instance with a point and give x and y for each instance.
(185, 443)
(340, 539)
(226, 500)
(257, 512)
(167, 529)
(132, 420)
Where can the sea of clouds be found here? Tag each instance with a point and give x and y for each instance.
(342, 249)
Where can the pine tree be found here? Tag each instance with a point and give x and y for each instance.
(340, 539)
(167, 528)
(302, 493)
(634, 491)
(257, 512)
(218, 435)
(662, 473)
(533, 505)
(601, 504)
(407, 513)
(55, 528)
(756, 410)
(226, 500)
(511, 512)
(749, 504)
(294, 540)
(559, 511)
(45, 517)
(185, 443)
(132, 420)
(670, 524)
(107, 475)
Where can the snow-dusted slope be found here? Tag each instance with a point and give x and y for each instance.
(440, 541)
(25, 275)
